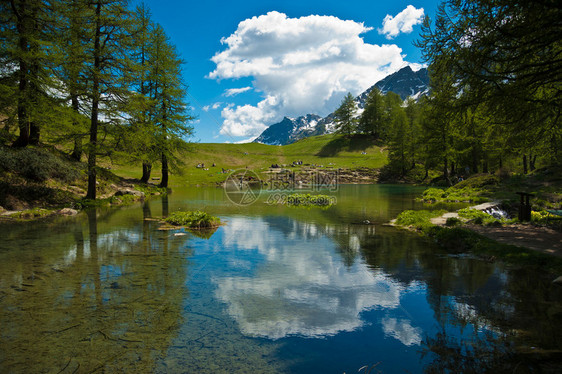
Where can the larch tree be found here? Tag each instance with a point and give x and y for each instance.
(24, 76)
(74, 22)
(139, 136)
(371, 120)
(107, 56)
(345, 120)
(170, 111)
(506, 55)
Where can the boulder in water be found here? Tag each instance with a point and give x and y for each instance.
(68, 212)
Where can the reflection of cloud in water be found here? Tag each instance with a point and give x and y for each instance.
(303, 288)
(402, 330)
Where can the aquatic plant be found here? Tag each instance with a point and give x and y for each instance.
(195, 219)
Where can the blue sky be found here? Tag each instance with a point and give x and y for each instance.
(250, 63)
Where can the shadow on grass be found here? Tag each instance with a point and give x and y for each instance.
(351, 143)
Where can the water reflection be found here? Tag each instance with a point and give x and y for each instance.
(302, 287)
(111, 301)
(273, 290)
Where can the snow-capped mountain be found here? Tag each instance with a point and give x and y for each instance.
(288, 130)
(405, 82)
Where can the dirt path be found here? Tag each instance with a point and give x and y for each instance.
(537, 238)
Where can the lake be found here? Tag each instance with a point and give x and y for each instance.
(276, 289)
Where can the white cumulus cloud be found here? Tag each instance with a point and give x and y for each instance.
(301, 65)
(236, 91)
(402, 22)
(247, 120)
(217, 105)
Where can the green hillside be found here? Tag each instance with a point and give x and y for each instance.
(326, 151)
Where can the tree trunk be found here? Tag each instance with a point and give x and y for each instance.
(23, 119)
(446, 171)
(77, 151)
(525, 164)
(164, 181)
(34, 131)
(146, 169)
(532, 160)
(92, 149)
(474, 162)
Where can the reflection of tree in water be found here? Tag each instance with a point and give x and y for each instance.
(517, 303)
(114, 304)
(349, 239)
(479, 354)
(521, 305)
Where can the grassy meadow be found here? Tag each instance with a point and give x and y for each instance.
(325, 152)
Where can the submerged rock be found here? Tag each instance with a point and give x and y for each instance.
(68, 212)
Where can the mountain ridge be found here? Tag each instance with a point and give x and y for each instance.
(405, 82)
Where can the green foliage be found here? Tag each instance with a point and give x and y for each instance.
(478, 217)
(195, 219)
(494, 70)
(37, 164)
(345, 115)
(434, 194)
(451, 195)
(149, 189)
(32, 213)
(544, 216)
(452, 221)
(478, 181)
(372, 118)
(309, 200)
(419, 219)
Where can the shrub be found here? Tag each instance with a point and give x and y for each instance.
(451, 194)
(452, 221)
(543, 216)
(434, 194)
(196, 219)
(37, 164)
(478, 181)
(419, 219)
(478, 217)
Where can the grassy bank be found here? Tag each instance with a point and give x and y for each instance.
(37, 182)
(457, 237)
